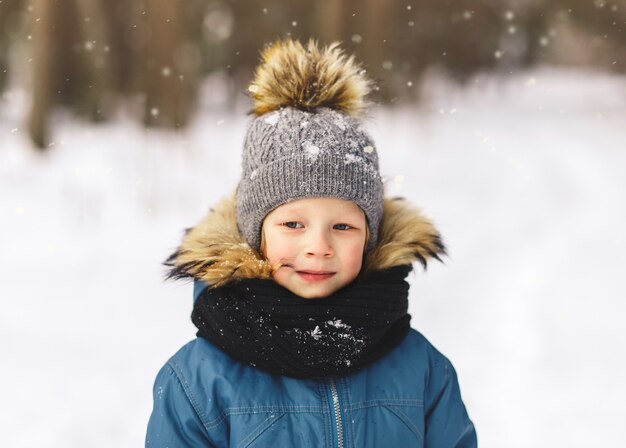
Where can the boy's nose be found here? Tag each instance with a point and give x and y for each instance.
(318, 245)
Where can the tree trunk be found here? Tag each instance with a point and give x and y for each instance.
(42, 26)
(330, 20)
(92, 31)
(167, 58)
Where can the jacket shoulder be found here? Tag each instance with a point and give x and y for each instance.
(202, 370)
(199, 354)
(418, 350)
(444, 411)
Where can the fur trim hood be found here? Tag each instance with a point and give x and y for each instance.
(215, 252)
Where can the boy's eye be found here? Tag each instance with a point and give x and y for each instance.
(342, 227)
(292, 225)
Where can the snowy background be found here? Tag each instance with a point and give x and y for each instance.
(525, 177)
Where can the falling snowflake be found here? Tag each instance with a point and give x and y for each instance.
(311, 150)
(272, 118)
(351, 158)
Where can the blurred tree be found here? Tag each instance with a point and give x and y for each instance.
(70, 63)
(9, 29)
(329, 19)
(602, 31)
(165, 62)
(87, 54)
(94, 55)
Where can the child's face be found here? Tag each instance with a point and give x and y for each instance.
(319, 242)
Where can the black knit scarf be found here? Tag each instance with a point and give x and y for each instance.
(264, 325)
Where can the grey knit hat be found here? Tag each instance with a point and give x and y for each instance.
(306, 140)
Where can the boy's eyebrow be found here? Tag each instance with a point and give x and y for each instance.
(293, 209)
(339, 216)
(288, 212)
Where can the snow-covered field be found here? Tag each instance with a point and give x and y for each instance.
(524, 176)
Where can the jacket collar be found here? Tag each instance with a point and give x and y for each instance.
(215, 252)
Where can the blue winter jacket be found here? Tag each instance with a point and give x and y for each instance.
(203, 398)
(409, 398)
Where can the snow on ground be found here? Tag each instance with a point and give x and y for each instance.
(524, 176)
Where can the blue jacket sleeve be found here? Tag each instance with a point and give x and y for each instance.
(174, 421)
(447, 422)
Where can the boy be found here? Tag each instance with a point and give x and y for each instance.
(300, 292)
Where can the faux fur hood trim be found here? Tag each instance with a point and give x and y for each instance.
(215, 252)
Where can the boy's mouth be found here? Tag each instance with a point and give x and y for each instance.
(315, 276)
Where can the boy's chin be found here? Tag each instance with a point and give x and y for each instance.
(313, 291)
(314, 295)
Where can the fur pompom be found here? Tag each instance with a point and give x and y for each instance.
(308, 77)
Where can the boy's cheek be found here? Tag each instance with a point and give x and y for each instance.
(273, 255)
(354, 260)
(281, 276)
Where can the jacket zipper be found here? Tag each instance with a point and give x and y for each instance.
(337, 411)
